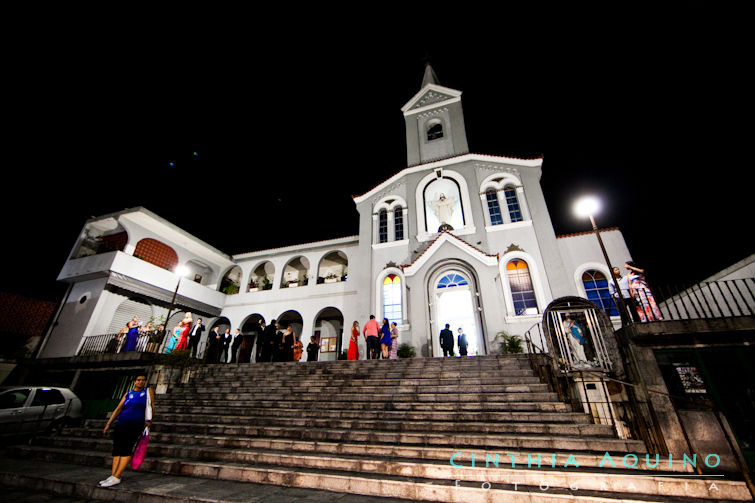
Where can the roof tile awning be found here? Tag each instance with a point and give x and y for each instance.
(123, 282)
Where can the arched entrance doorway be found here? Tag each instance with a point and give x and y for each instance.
(454, 300)
(328, 332)
(294, 319)
(251, 332)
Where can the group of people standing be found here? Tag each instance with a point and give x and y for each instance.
(447, 341)
(381, 341)
(636, 293)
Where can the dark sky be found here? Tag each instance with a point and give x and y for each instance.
(649, 109)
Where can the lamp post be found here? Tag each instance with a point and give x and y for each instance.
(181, 271)
(586, 207)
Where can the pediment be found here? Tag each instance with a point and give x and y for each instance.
(429, 96)
(448, 239)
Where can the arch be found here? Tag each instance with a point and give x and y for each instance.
(199, 272)
(595, 285)
(333, 267)
(230, 283)
(389, 203)
(443, 189)
(535, 277)
(424, 233)
(522, 288)
(126, 310)
(389, 215)
(592, 324)
(434, 130)
(222, 323)
(248, 325)
(101, 237)
(156, 253)
(295, 272)
(509, 194)
(328, 326)
(453, 296)
(379, 310)
(261, 277)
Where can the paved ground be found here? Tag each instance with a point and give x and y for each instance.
(34, 481)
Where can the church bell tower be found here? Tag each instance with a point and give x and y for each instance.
(434, 122)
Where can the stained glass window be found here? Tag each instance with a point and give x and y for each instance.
(392, 298)
(452, 279)
(596, 288)
(522, 292)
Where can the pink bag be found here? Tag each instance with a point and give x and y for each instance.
(141, 450)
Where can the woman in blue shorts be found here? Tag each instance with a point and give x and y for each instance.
(131, 414)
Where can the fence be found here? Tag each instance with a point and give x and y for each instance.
(147, 342)
(713, 299)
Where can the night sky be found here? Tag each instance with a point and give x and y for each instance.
(649, 110)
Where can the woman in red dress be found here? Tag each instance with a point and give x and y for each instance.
(353, 353)
(186, 324)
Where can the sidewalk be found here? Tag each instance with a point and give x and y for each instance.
(36, 481)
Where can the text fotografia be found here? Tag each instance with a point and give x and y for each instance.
(539, 460)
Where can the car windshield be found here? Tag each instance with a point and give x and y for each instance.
(14, 398)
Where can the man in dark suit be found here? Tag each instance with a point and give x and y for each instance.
(194, 336)
(225, 343)
(447, 341)
(212, 355)
(269, 342)
(461, 341)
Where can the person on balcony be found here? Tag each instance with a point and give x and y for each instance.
(646, 307)
(132, 337)
(186, 324)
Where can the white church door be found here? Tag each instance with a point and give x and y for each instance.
(454, 302)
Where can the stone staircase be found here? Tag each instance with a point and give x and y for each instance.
(419, 429)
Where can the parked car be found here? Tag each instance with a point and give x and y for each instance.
(27, 409)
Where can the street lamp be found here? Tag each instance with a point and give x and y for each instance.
(588, 206)
(181, 271)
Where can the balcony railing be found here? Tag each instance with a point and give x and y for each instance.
(707, 300)
(148, 342)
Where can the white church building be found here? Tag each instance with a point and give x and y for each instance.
(455, 237)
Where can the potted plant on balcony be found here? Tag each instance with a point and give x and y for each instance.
(265, 283)
(332, 277)
(253, 286)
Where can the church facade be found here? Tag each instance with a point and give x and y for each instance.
(454, 238)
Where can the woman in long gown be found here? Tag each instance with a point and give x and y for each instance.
(393, 355)
(353, 353)
(644, 301)
(185, 328)
(133, 335)
(174, 336)
(287, 351)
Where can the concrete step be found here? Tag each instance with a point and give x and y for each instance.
(371, 397)
(39, 481)
(357, 381)
(433, 484)
(198, 414)
(555, 459)
(232, 426)
(227, 434)
(250, 406)
(201, 389)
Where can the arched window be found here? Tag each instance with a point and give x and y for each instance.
(157, 253)
(493, 207)
(435, 131)
(596, 288)
(512, 202)
(451, 280)
(522, 292)
(398, 223)
(383, 226)
(392, 298)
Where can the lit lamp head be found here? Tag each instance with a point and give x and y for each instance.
(587, 206)
(181, 270)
